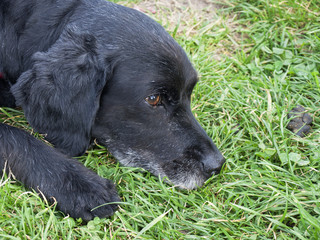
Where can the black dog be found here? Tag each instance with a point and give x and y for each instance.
(90, 69)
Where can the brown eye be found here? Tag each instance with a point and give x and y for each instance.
(153, 100)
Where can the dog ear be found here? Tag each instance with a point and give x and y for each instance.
(60, 94)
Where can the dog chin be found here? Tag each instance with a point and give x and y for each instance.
(189, 183)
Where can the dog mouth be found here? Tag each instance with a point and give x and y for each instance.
(184, 172)
(189, 182)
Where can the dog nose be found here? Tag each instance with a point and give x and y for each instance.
(213, 164)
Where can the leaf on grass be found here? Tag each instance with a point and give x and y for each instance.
(316, 156)
(283, 158)
(267, 153)
(293, 157)
(266, 49)
(277, 51)
(278, 65)
(288, 54)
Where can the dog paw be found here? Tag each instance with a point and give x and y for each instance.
(99, 199)
(85, 195)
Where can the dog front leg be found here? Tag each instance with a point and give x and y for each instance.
(78, 191)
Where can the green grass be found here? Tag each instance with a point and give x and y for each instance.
(256, 60)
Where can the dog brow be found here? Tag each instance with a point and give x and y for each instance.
(191, 81)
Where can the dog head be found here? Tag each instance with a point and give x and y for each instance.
(129, 86)
(145, 119)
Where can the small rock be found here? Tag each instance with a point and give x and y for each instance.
(300, 122)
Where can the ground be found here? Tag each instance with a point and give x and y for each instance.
(186, 17)
(256, 60)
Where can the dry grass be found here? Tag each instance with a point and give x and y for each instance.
(196, 17)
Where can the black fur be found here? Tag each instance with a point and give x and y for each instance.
(76, 189)
(81, 70)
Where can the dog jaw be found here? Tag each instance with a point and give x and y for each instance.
(188, 175)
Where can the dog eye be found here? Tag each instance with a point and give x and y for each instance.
(153, 100)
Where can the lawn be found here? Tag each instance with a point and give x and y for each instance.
(257, 60)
